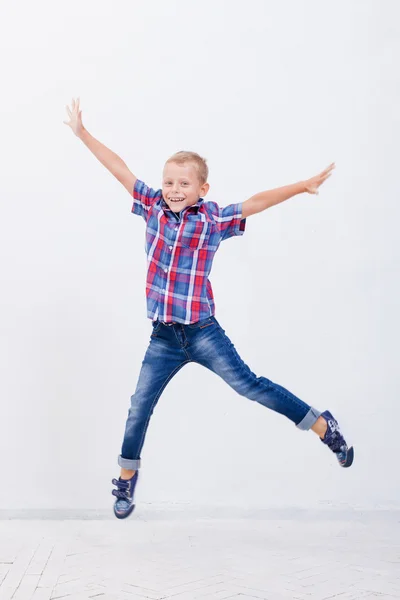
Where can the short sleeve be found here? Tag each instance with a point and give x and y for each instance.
(230, 220)
(143, 198)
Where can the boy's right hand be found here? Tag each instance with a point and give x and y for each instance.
(75, 116)
(107, 157)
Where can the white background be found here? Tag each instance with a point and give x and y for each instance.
(271, 93)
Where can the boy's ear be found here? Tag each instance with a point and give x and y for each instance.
(204, 189)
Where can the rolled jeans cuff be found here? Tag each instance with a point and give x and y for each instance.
(309, 420)
(130, 464)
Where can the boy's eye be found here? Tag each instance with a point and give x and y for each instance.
(185, 183)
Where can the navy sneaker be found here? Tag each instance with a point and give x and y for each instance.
(335, 441)
(124, 505)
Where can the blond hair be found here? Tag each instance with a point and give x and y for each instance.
(200, 163)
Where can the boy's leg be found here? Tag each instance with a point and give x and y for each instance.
(212, 348)
(216, 352)
(161, 362)
(164, 358)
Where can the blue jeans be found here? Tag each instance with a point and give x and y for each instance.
(174, 345)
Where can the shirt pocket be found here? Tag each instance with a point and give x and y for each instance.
(195, 235)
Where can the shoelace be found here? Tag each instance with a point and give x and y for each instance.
(335, 442)
(334, 438)
(122, 492)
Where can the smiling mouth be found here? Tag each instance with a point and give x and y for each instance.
(176, 199)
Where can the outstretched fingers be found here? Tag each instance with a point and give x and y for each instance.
(323, 178)
(325, 174)
(328, 169)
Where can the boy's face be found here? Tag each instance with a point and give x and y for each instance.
(181, 186)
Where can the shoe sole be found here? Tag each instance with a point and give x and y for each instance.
(349, 458)
(128, 512)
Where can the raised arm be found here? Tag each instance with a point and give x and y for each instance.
(107, 157)
(264, 200)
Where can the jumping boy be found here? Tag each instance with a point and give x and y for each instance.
(183, 233)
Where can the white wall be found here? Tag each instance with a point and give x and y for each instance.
(270, 92)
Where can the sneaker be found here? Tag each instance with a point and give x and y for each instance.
(335, 441)
(124, 505)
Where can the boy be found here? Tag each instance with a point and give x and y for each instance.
(183, 232)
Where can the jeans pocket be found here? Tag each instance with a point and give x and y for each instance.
(156, 327)
(202, 324)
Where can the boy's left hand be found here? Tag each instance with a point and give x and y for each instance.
(311, 185)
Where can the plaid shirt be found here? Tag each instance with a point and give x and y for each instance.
(180, 250)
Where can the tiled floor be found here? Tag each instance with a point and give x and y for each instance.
(172, 555)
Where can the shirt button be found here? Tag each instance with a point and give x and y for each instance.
(176, 228)
(166, 270)
(170, 247)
